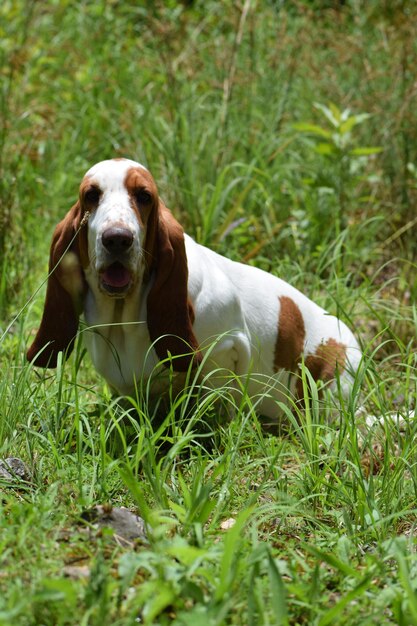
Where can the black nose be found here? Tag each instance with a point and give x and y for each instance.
(117, 239)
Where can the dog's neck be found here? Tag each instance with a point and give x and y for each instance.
(117, 336)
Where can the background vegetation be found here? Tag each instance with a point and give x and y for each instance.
(282, 134)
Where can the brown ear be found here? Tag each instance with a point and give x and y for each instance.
(169, 310)
(64, 294)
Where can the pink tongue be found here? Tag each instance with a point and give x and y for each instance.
(116, 275)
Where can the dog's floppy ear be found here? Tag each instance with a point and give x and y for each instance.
(64, 292)
(170, 313)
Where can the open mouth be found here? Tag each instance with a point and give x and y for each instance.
(116, 278)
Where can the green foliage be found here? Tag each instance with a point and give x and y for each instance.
(284, 135)
(346, 161)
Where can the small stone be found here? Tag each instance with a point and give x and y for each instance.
(4, 473)
(76, 572)
(14, 468)
(228, 523)
(126, 525)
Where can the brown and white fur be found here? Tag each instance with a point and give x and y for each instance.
(148, 291)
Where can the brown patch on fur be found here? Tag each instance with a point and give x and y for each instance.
(139, 180)
(291, 334)
(170, 313)
(64, 293)
(85, 208)
(329, 358)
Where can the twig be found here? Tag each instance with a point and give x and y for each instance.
(400, 232)
(229, 80)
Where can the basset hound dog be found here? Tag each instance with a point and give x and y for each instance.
(150, 294)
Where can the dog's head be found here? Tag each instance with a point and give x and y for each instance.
(117, 236)
(122, 202)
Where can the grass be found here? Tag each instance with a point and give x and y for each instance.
(281, 134)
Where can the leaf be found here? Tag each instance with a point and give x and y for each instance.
(315, 129)
(332, 113)
(353, 121)
(204, 511)
(331, 615)
(332, 560)
(161, 597)
(278, 595)
(179, 510)
(344, 546)
(197, 616)
(135, 490)
(57, 590)
(325, 148)
(231, 551)
(184, 553)
(365, 151)
(338, 115)
(405, 578)
(128, 565)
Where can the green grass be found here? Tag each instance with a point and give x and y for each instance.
(281, 134)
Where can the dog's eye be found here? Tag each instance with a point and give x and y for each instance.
(92, 196)
(142, 196)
